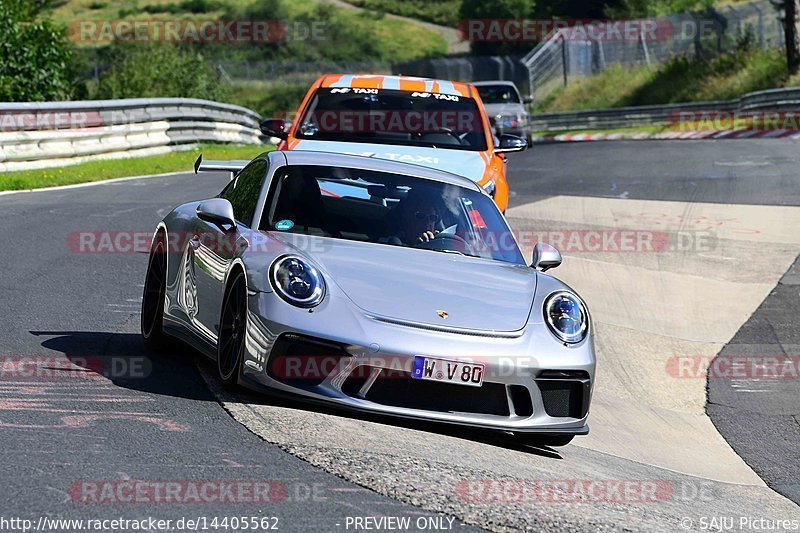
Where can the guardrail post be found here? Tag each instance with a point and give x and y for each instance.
(601, 54)
(761, 37)
(644, 46)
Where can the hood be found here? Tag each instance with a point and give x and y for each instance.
(462, 162)
(410, 285)
(504, 109)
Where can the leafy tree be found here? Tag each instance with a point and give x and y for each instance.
(574, 9)
(791, 30)
(620, 9)
(141, 70)
(497, 10)
(36, 54)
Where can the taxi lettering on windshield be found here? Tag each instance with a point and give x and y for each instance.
(437, 96)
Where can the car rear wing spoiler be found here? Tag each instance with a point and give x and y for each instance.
(233, 166)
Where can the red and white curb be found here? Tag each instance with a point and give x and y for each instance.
(671, 135)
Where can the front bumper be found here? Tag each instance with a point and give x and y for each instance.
(340, 356)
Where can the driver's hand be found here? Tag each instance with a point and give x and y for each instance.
(428, 236)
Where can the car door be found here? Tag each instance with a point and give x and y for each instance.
(214, 247)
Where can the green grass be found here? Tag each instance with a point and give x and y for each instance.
(442, 12)
(346, 34)
(66, 11)
(610, 88)
(656, 8)
(120, 168)
(681, 80)
(69, 11)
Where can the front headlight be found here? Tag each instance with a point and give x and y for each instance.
(297, 281)
(566, 316)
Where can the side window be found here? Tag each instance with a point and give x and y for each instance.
(243, 192)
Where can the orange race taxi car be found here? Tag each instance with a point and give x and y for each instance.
(434, 123)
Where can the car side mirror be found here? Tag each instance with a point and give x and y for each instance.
(217, 211)
(274, 127)
(511, 143)
(527, 99)
(545, 256)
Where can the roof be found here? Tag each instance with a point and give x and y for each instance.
(493, 82)
(402, 83)
(309, 157)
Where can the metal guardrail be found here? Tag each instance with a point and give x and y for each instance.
(658, 115)
(779, 99)
(50, 134)
(573, 52)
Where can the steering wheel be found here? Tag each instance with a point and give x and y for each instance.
(447, 241)
(444, 130)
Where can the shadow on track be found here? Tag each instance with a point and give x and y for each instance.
(122, 358)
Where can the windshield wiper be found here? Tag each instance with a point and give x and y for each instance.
(449, 252)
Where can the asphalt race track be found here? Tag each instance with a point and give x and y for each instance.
(98, 416)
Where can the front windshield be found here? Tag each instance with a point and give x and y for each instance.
(498, 94)
(387, 209)
(386, 116)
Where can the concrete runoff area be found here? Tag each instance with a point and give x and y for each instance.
(649, 317)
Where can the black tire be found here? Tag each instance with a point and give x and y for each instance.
(155, 288)
(535, 439)
(232, 329)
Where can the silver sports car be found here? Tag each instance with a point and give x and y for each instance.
(376, 286)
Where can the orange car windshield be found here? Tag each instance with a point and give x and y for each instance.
(386, 116)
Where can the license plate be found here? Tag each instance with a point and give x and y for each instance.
(448, 371)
